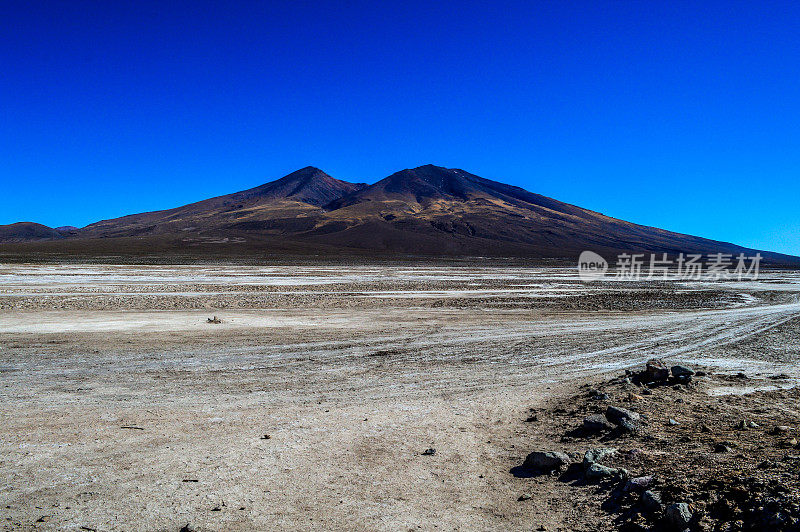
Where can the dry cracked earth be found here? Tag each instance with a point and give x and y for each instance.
(311, 405)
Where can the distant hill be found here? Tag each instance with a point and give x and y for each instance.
(26, 232)
(429, 210)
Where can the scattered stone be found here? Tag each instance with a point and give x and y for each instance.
(705, 428)
(596, 423)
(632, 397)
(673, 422)
(546, 460)
(524, 497)
(628, 425)
(593, 456)
(214, 320)
(753, 425)
(781, 429)
(656, 370)
(651, 500)
(599, 472)
(616, 415)
(187, 528)
(598, 395)
(266, 437)
(531, 419)
(679, 515)
(779, 377)
(429, 452)
(680, 372)
(722, 448)
(639, 484)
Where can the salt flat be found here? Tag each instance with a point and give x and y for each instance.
(352, 371)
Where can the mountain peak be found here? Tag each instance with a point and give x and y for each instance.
(308, 185)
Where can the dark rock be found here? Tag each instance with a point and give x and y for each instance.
(651, 501)
(546, 460)
(593, 456)
(598, 395)
(628, 425)
(639, 484)
(599, 472)
(681, 372)
(656, 370)
(722, 448)
(429, 452)
(524, 497)
(678, 515)
(616, 414)
(596, 423)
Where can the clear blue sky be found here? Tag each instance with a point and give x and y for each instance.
(678, 114)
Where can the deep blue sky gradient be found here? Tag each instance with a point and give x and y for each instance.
(679, 114)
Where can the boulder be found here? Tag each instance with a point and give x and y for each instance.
(651, 501)
(678, 515)
(681, 372)
(628, 425)
(546, 460)
(616, 414)
(656, 370)
(600, 472)
(639, 484)
(593, 456)
(596, 423)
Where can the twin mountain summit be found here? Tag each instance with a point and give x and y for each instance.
(426, 211)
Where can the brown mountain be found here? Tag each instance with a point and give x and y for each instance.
(429, 210)
(26, 232)
(291, 201)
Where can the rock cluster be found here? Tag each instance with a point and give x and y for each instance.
(647, 492)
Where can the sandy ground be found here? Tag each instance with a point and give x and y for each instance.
(121, 408)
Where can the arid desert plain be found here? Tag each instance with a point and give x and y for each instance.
(311, 405)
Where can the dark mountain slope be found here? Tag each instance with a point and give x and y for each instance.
(27, 231)
(300, 193)
(428, 210)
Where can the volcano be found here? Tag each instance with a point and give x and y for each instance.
(429, 210)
